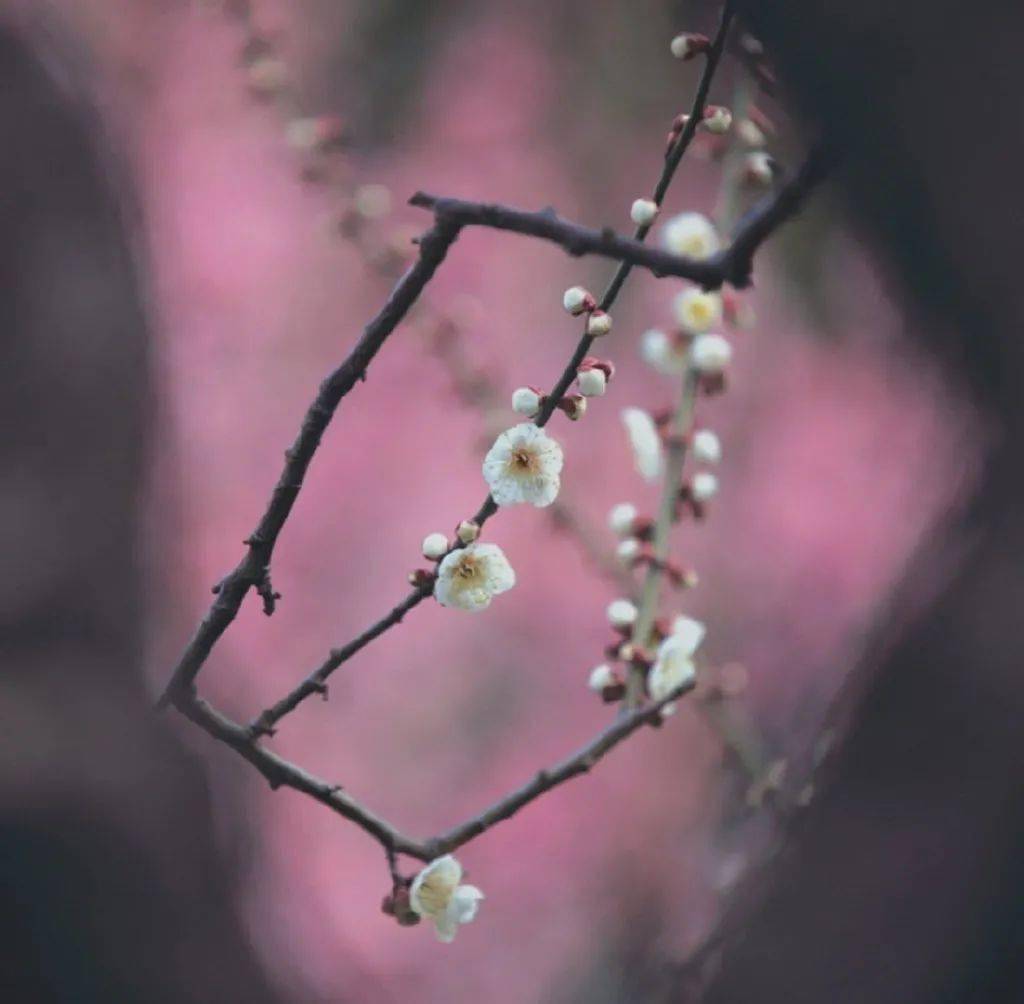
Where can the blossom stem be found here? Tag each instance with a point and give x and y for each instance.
(675, 457)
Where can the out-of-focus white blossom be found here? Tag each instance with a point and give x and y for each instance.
(592, 382)
(690, 234)
(601, 677)
(645, 441)
(707, 449)
(704, 486)
(758, 168)
(525, 401)
(687, 44)
(434, 546)
(577, 300)
(599, 323)
(627, 550)
(524, 465)
(710, 354)
(469, 578)
(643, 212)
(697, 311)
(372, 201)
(437, 894)
(621, 613)
(666, 354)
(622, 518)
(468, 531)
(673, 666)
(750, 133)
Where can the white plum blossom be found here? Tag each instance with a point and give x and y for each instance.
(592, 383)
(469, 578)
(667, 355)
(758, 168)
(710, 354)
(645, 441)
(622, 518)
(435, 545)
(468, 531)
(599, 323)
(673, 666)
(525, 401)
(690, 234)
(601, 677)
(707, 449)
(703, 487)
(621, 613)
(688, 44)
(697, 311)
(437, 894)
(643, 212)
(576, 300)
(524, 465)
(750, 133)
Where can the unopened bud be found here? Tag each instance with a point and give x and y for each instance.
(526, 401)
(601, 677)
(578, 300)
(628, 550)
(599, 323)
(468, 531)
(707, 449)
(717, 119)
(621, 614)
(435, 545)
(689, 44)
(750, 133)
(710, 354)
(758, 168)
(621, 518)
(643, 212)
(592, 382)
(574, 405)
(703, 487)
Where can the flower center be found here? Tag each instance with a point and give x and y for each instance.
(523, 461)
(467, 569)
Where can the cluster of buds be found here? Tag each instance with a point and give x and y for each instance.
(577, 301)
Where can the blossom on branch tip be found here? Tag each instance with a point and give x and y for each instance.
(707, 448)
(599, 323)
(710, 354)
(645, 441)
(717, 119)
(469, 578)
(643, 212)
(621, 614)
(690, 234)
(578, 300)
(437, 893)
(703, 487)
(697, 311)
(435, 545)
(686, 45)
(526, 401)
(524, 465)
(621, 518)
(663, 352)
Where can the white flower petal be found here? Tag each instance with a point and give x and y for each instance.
(433, 887)
(465, 903)
(646, 443)
(688, 633)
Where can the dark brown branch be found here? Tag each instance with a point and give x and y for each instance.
(253, 570)
(575, 239)
(316, 682)
(282, 773)
(579, 763)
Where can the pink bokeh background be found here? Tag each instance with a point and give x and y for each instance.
(840, 453)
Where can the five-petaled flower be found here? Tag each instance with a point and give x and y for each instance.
(524, 465)
(673, 668)
(469, 578)
(437, 893)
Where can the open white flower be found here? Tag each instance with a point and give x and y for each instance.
(646, 443)
(690, 234)
(697, 311)
(468, 579)
(710, 354)
(524, 465)
(667, 355)
(437, 894)
(673, 667)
